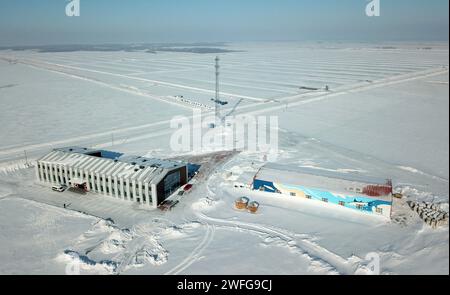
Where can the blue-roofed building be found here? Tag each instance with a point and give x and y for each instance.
(359, 192)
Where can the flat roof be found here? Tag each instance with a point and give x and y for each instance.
(120, 157)
(280, 172)
(126, 167)
(331, 181)
(151, 162)
(88, 151)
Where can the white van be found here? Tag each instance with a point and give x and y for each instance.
(59, 188)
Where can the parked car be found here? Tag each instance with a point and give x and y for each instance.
(187, 187)
(167, 205)
(59, 188)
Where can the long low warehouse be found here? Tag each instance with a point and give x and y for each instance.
(351, 191)
(131, 178)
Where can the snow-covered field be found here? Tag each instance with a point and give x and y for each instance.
(386, 115)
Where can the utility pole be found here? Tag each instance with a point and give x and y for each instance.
(26, 157)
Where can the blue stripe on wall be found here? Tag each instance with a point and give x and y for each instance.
(349, 201)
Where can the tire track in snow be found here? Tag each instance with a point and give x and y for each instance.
(195, 255)
(301, 243)
(312, 250)
(296, 102)
(354, 89)
(40, 64)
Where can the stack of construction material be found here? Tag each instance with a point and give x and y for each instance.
(430, 213)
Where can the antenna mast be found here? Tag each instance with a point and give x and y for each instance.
(217, 98)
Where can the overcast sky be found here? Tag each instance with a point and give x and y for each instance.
(40, 22)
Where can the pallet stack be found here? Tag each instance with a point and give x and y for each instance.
(430, 213)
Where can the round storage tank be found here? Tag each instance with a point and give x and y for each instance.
(242, 203)
(253, 207)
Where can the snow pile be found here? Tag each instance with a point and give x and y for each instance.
(105, 248)
(205, 204)
(178, 231)
(116, 242)
(153, 254)
(75, 263)
(33, 234)
(106, 237)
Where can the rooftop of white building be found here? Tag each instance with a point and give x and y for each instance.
(333, 181)
(111, 163)
(281, 173)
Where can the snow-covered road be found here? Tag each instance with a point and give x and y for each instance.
(386, 115)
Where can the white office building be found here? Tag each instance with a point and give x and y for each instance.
(130, 178)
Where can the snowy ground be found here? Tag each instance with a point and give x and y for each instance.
(386, 115)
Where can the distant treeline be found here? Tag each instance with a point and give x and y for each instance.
(199, 47)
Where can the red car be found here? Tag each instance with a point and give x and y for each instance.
(187, 187)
